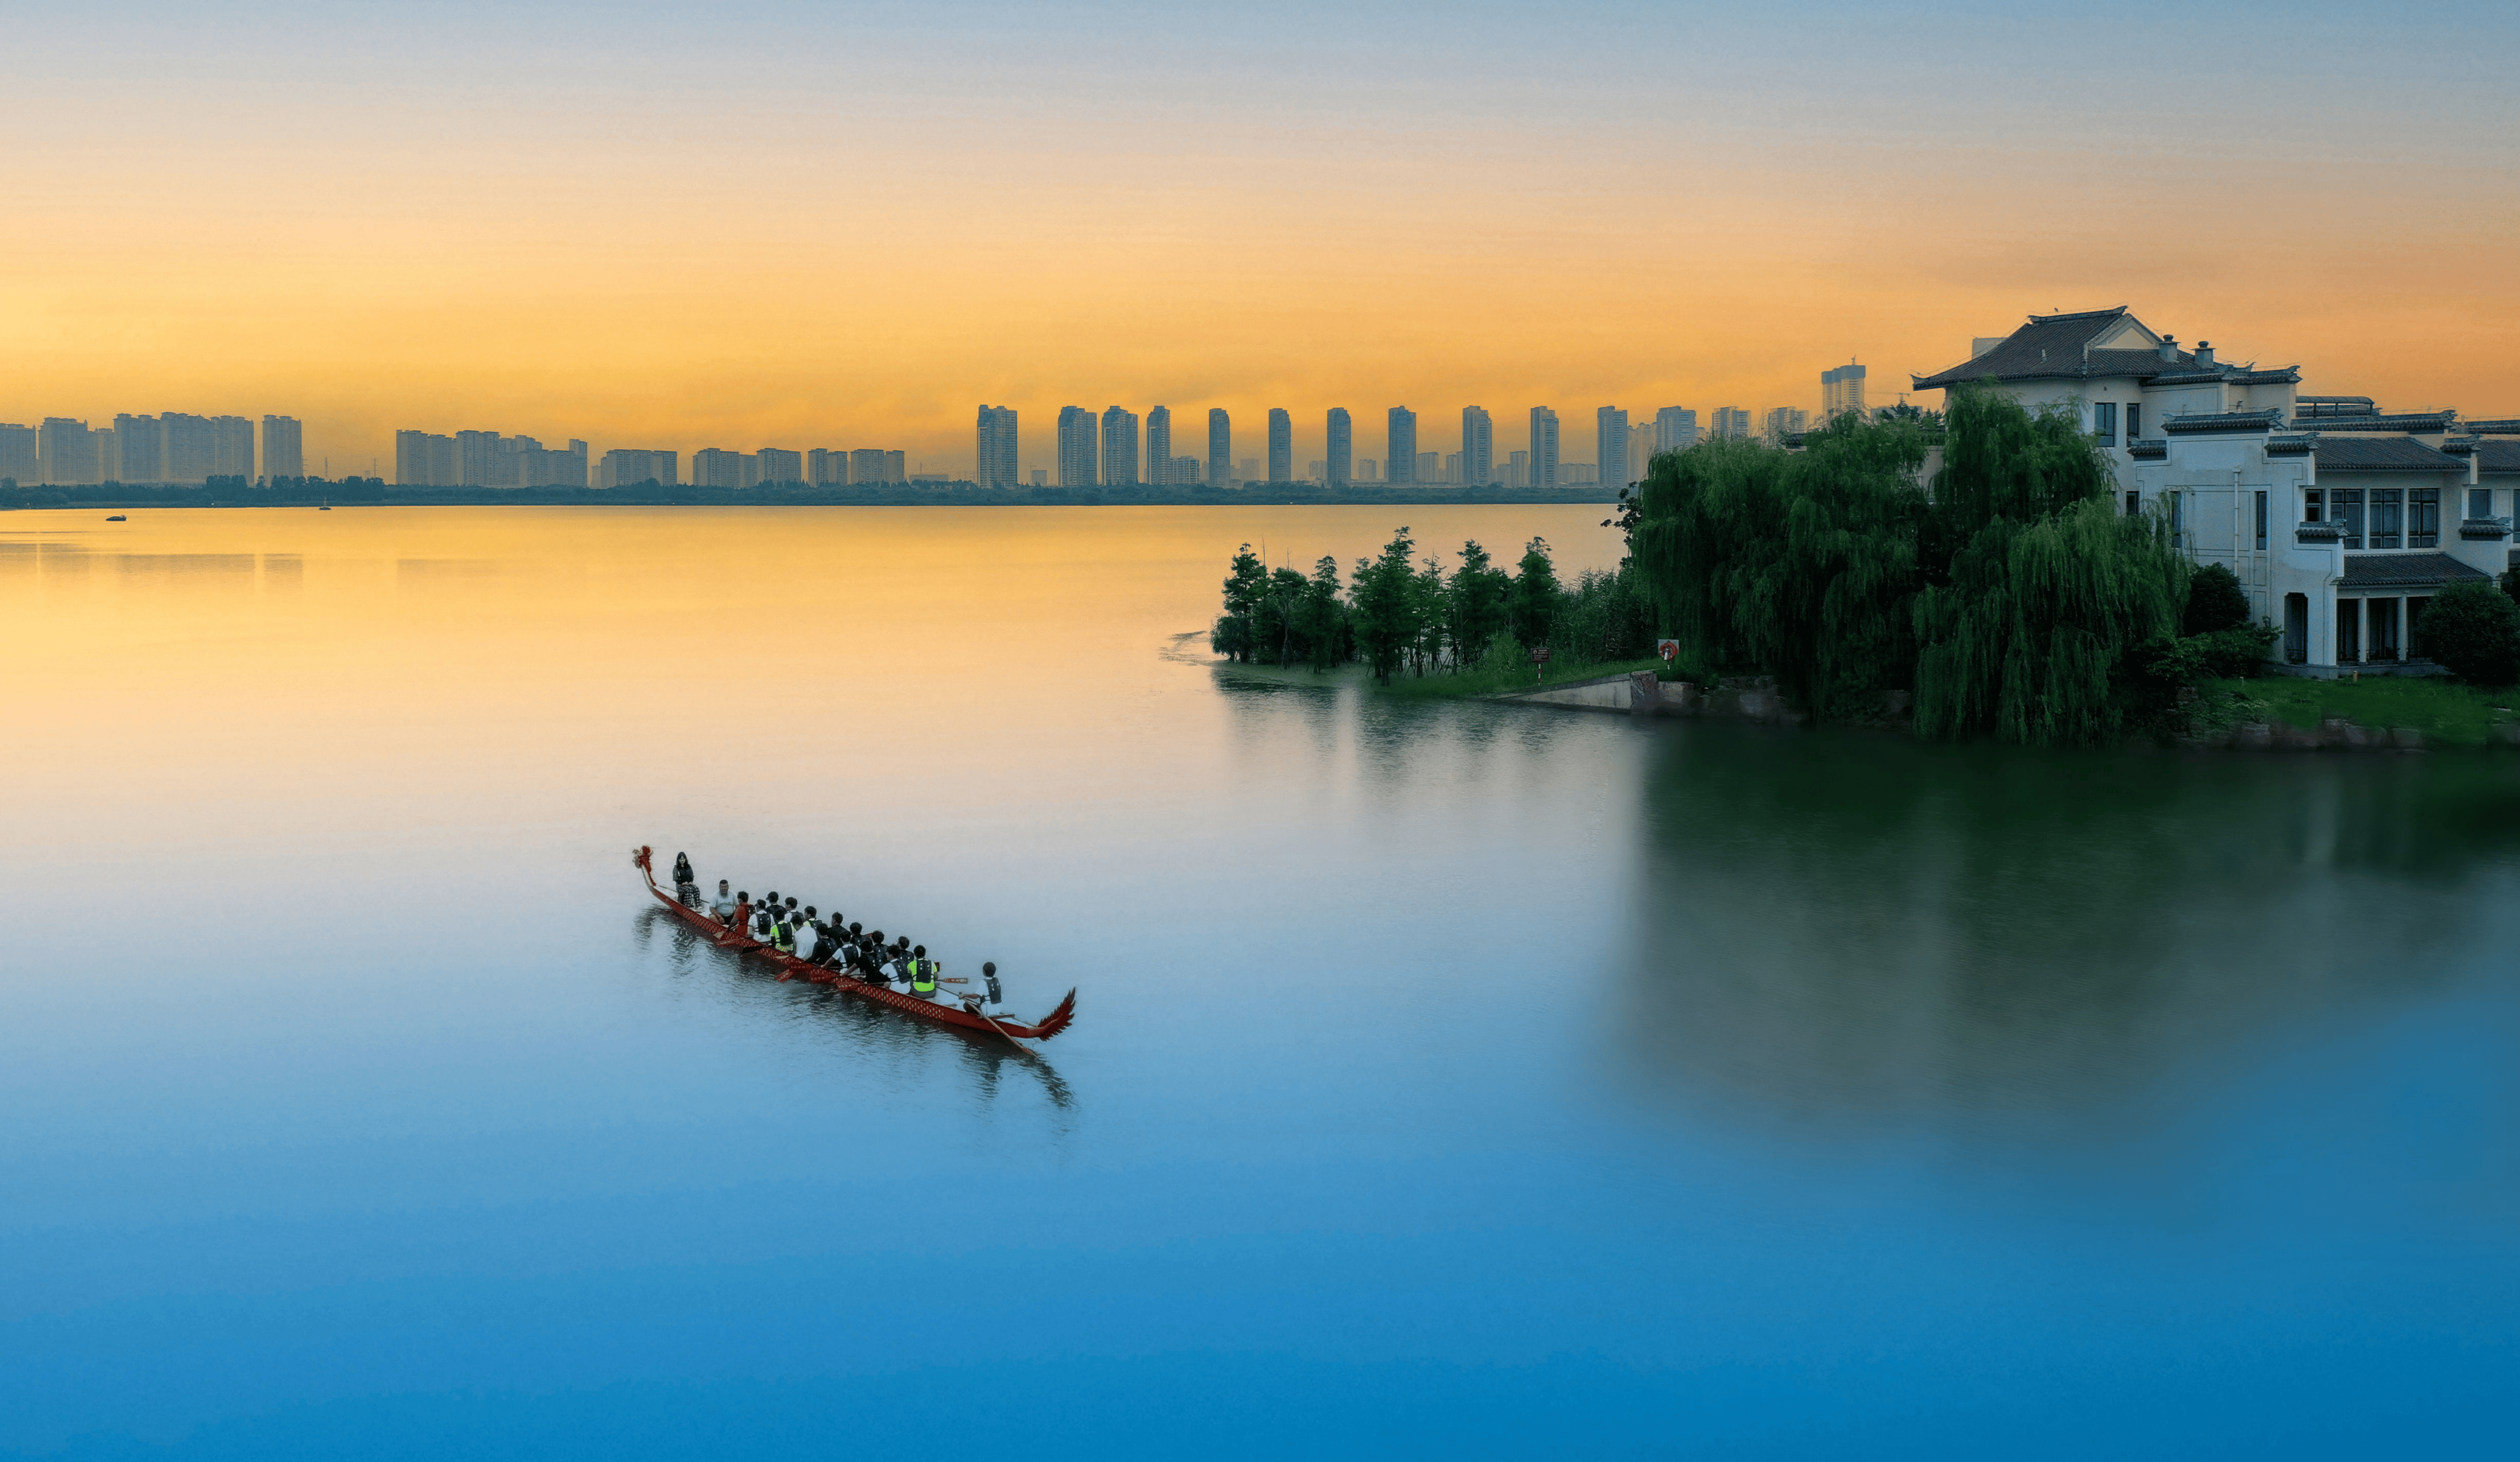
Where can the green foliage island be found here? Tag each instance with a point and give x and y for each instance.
(2004, 597)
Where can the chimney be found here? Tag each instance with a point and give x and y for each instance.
(2170, 348)
(2205, 352)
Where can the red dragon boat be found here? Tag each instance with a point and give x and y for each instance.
(793, 968)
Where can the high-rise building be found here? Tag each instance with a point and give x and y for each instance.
(1220, 448)
(1452, 467)
(629, 467)
(1249, 471)
(109, 455)
(1368, 470)
(716, 467)
(139, 450)
(1841, 390)
(1611, 447)
(191, 447)
(875, 465)
(1400, 444)
(994, 463)
(1316, 471)
(1281, 445)
(69, 451)
(1517, 470)
(21, 461)
(1478, 446)
(283, 447)
(1675, 428)
(781, 466)
(1119, 447)
(1185, 471)
(232, 447)
(1430, 467)
(1785, 422)
(1159, 445)
(1341, 454)
(1077, 451)
(1641, 450)
(426, 459)
(826, 466)
(1731, 424)
(1543, 468)
(896, 466)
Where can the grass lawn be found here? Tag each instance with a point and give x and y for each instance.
(2448, 713)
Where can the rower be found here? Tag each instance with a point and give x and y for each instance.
(809, 936)
(922, 974)
(878, 969)
(741, 920)
(782, 929)
(989, 973)
(723, 907)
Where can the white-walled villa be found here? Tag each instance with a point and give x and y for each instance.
(2340, 519)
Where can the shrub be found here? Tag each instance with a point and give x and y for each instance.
(2237, 652)
(2214, 602)
(2473, 628)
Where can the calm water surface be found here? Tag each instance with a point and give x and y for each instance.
(1448, 1080)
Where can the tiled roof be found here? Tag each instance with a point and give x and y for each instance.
(2408, 421)
(2291, 444)
(2148, 449)
(2496, 426)
(2406, 571)
(2279, 375)
(2382, 454)
(2223, 423)
(2055, 348)
(2498, 456)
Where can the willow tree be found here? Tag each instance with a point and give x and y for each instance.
(2047, 630)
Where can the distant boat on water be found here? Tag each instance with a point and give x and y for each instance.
(117, 518)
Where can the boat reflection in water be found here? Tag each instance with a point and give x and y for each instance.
(1845, 931)
(860, 1027)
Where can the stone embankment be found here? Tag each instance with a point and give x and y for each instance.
(1754, 698)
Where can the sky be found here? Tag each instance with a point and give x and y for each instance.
(843, 225)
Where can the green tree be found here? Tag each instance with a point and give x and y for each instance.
(2473, 629)
(1478, 606)
(1533, 604)
(1245, 587)
(1383, 606)
(1428, 601)
(1322, 618)
(2215, 601)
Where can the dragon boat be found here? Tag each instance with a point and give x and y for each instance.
(964, 1013)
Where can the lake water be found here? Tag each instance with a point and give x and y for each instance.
(1450, 1080)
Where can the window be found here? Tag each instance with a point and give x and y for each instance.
(2176, 525)
(2105, 422)
(2312, 500)
(2135, 503)
(2297, 629)
(2135, 420)
(2388, 518)
(2347, 506)
(2262, 519)
(2423, 516)
(2480, 502)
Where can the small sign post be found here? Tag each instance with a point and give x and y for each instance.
(1669, 649)
(1538, 657)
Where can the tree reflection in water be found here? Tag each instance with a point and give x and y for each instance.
(1852, 931)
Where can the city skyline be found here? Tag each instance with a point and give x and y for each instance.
(447, 258)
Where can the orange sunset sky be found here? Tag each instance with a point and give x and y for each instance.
(836, 225)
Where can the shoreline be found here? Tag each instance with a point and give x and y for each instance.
(886, 495)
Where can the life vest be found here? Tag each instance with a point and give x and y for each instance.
(922, 976)
(783, 937)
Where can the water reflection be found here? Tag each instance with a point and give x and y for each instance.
(1856, 931)
(861, 1026)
